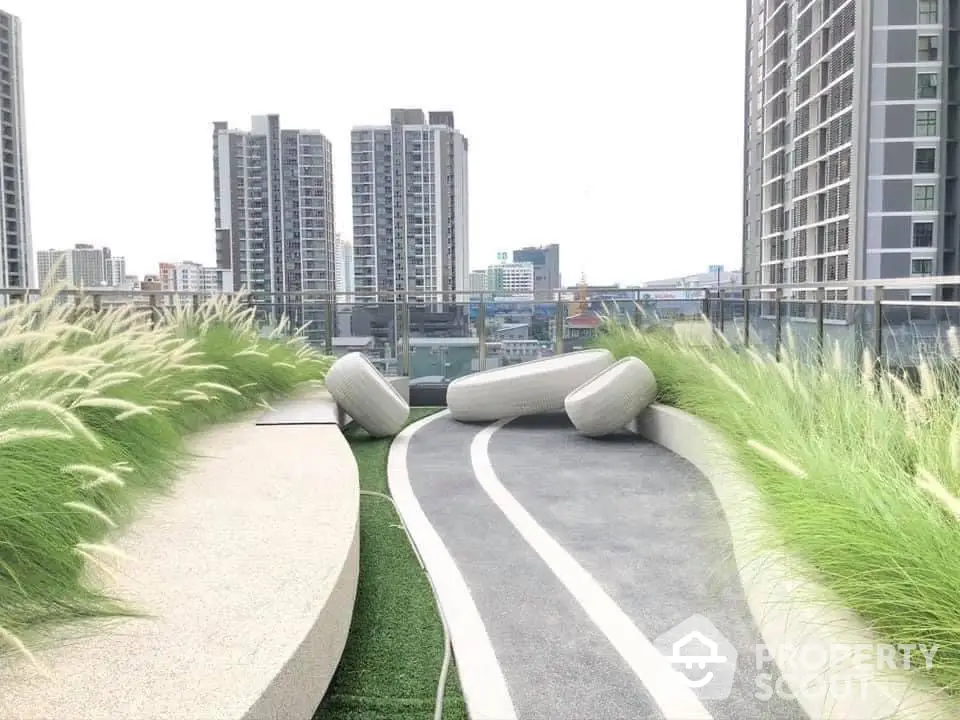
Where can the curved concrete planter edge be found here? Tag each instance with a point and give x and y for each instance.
(794, 614)
(248, 572)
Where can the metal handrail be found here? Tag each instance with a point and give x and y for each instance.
(905, 283)
(772, 302)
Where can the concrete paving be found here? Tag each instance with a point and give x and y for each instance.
(641, 521)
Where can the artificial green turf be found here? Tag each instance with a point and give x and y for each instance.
(391, 664)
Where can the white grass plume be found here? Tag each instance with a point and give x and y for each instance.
(953, 341)
(90, 510)
(217, 386)
(929, 386)
(61, 414)
(954, 443)
(99, 476)
(778, 459)
(926, 481)
(15, 643)
(730, 383)
(13, 435)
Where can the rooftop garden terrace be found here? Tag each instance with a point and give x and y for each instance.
(856, 466)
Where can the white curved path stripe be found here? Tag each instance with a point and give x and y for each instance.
(481, 678)
(667, 686)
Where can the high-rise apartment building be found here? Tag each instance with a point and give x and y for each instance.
(850, 153)
(273, 208)
(511, 279)
(344, 272)
(477, 281)
(194, 279)
(16, 258)
(546, 267)
(410, 207)
(116, 270)
(82, 266)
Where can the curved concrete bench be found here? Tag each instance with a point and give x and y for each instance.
(248, 572)
(530, 388)
(791, 611)
(609, 401)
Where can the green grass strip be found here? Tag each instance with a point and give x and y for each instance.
(859, 471)
(391, 664)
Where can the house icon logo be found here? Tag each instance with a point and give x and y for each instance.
(702, 655)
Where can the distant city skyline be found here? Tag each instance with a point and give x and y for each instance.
(537, 174)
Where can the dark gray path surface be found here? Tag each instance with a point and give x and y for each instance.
(558, 666)
(648, 528)
(640, 520)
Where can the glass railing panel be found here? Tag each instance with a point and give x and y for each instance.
(371, 325)
(444, 343)
(681, 311)
(913, 331)
(730, 318)
(800, 337)
(763, 323)
(568, 322)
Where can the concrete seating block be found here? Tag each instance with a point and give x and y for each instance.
(609, 401)
(530, 388)
(366, 396)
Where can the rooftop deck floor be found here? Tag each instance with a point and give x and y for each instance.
(564, 566)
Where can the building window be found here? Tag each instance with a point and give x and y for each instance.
(928, 48)
(927, 85)
(923, 197)
(923, 234)
(929, 12)
(926, 123)
(921, 266)
(925, 161)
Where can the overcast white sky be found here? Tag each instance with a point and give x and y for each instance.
(612, 127)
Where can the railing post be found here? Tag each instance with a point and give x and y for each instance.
(706, 305)
(746, 317)
(329, 319)
(405, 335)
(482, 334)
(154, 310)
(97, 303)
(558, 328)
(820, 311)
(878, 322)
(720, 309)
(195, 301)
(778, 310)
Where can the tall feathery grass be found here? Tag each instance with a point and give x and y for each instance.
(859, 470)
(94, 407)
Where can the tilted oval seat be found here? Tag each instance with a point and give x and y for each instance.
(366, 396)
(608, 402)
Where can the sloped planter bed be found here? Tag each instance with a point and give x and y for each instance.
(794, 614)
(247, 573)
